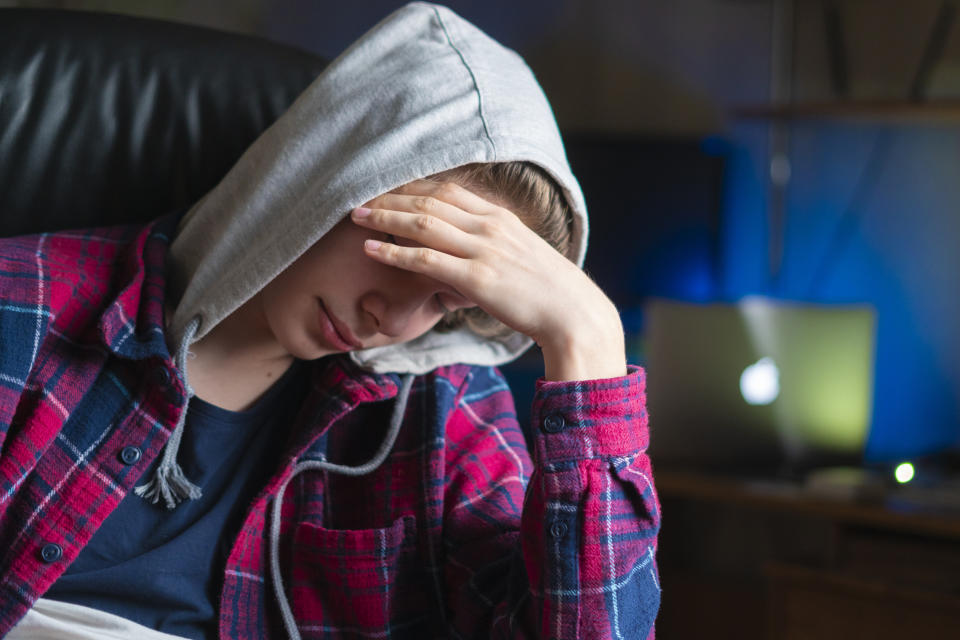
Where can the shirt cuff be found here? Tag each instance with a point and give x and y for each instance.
(581, 419)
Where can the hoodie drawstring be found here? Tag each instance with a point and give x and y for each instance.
(399, 409)
(169, 481)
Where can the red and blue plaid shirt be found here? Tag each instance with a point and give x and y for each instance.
(457, 534)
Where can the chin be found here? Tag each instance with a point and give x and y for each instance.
(306, 347)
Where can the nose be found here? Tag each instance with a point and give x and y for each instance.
(398, 317)
(397, 309)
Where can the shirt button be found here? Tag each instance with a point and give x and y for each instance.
(553, 423)
(129, 455)
(161, 376)
(558, 529)
(51, 552)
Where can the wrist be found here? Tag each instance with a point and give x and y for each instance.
(589, 349)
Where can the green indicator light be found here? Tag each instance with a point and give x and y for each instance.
(904, 472)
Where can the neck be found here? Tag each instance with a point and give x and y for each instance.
(235, 363)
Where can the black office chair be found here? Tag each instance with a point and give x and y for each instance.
(108, 119)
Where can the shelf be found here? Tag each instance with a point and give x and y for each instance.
(777, 496)
(863, 110)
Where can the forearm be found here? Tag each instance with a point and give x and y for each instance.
(588, 345)
(593, 507)
(583, 563)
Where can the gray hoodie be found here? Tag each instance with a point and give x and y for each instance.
(422, 92)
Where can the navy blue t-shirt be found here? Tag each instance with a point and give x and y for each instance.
(164, 569)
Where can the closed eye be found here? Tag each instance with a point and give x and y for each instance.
(453, 301)
(440, 304)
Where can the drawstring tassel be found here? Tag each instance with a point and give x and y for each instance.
(169, 481)
(171, 484)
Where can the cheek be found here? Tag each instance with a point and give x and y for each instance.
(420, 325)
(287, 287)
(344, 266)
(335, 265)
(286, 310)
(275, 293)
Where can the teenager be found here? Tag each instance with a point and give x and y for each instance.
(278, 415)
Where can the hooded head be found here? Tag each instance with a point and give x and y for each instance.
(422, 92)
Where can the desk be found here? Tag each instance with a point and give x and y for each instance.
(743, 559)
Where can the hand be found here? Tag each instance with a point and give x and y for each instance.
(490, 257)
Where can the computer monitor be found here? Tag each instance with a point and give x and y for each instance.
(758, 386)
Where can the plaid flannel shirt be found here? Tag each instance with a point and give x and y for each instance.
(458, 534)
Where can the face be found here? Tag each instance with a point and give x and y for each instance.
(335, 299)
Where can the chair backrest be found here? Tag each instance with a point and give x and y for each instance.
(108, 119)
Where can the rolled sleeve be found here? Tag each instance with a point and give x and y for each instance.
(585, 419)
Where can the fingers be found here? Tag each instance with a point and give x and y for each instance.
(427, 205)
(447, 200)
(459, 237)
(456, 272)
(452, 194)
(421, 228)
(418, 211)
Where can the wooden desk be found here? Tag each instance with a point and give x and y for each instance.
(771, 560)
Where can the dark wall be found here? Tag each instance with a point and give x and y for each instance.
(871, 206)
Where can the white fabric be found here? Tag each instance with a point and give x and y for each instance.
(55, 620)
(422, 92)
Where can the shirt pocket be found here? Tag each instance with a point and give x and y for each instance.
(359, 581)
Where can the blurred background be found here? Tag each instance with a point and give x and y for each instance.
(804, 151)
(665, 105)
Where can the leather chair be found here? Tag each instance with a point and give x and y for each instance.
(108, 119)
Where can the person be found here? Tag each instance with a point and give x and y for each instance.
(278, 414)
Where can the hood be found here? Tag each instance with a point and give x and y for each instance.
(422, 92)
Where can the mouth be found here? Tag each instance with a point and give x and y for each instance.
(336, 331)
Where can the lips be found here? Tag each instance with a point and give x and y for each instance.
(336, 331)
